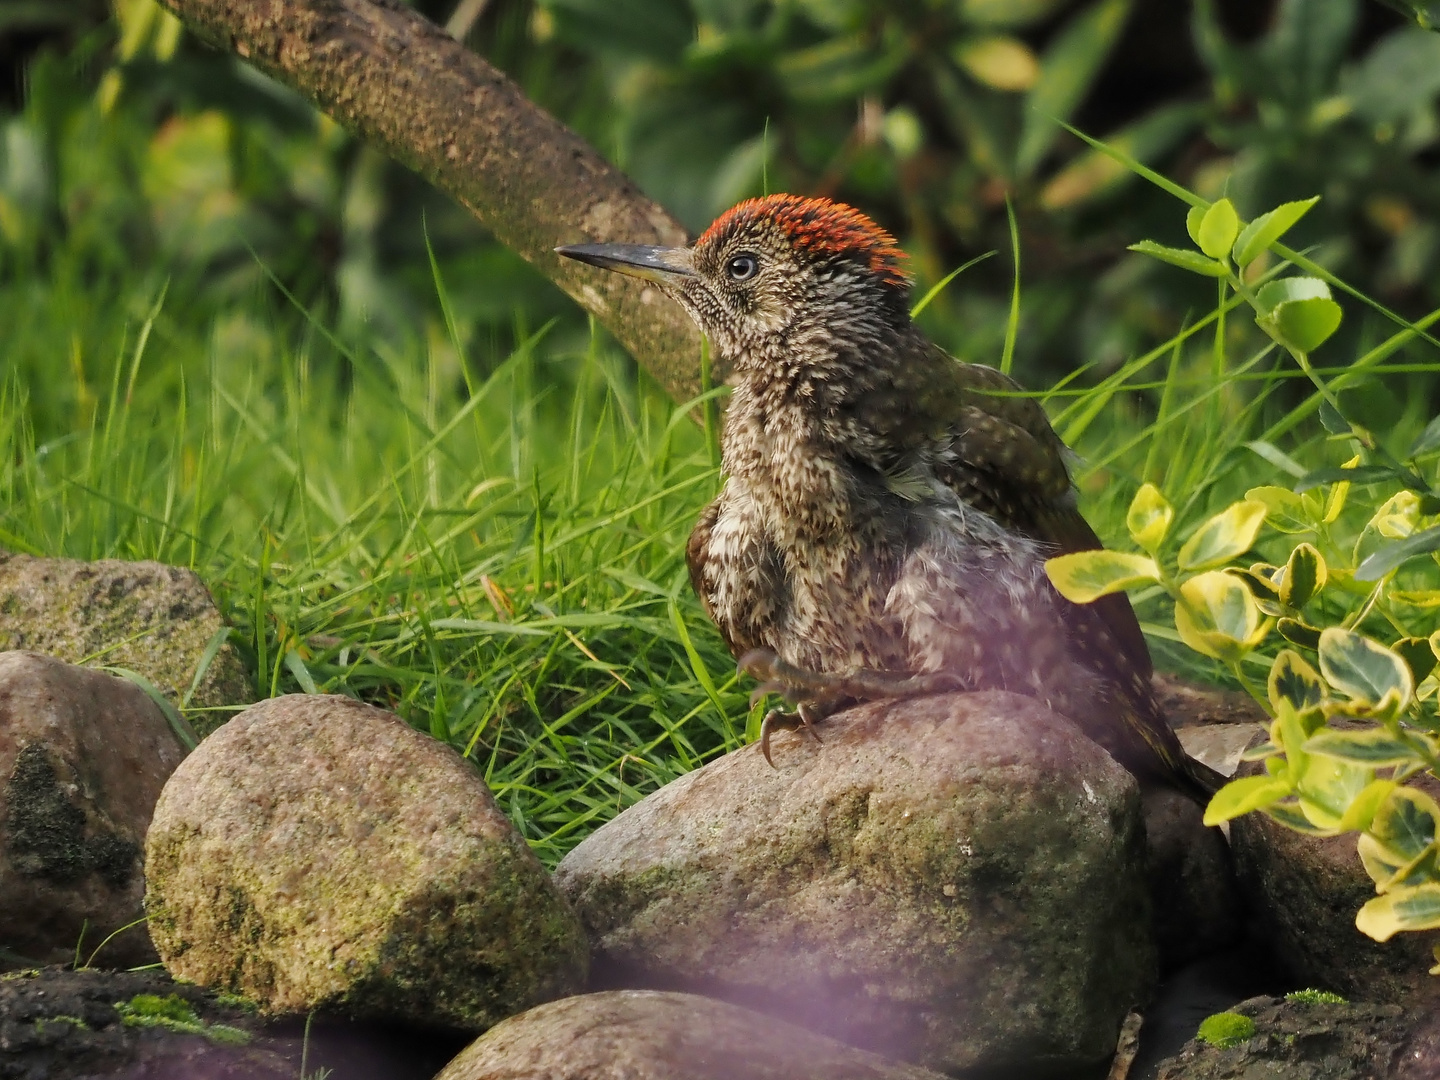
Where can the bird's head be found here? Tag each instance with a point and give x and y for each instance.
(775, 273)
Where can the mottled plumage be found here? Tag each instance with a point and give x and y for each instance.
(887, 510)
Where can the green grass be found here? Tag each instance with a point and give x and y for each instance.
(500, 558)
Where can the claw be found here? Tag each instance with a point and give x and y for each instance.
(778, 718)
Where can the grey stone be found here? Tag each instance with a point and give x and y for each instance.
(84, 756)
(153, 619)
(318, 853)
(957, 881)
(652, 1035)
(1295, 1040)
(1220, 745)
(1196, 900)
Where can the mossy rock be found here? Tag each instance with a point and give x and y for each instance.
(153, 619)
(318, 853)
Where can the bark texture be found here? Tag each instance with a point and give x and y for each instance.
(401, 83)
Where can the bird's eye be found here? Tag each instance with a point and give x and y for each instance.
(742, 267)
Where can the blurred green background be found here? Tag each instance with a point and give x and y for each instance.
(128, 148)
(411, 470)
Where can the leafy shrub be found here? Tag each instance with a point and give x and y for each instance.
(1347, 737)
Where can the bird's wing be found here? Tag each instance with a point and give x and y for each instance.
(1006, 460)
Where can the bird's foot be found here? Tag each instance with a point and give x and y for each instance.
(804, 718)
(818, 694)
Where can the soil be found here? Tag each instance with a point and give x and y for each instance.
(57, 1024)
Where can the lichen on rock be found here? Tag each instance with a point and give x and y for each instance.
(318, 853)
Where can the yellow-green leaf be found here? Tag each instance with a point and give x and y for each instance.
(1244, 795)
(1285, 511)
(1256, 237)
(1186, 260)
(1365, 671)
(1305, 575)
(1225, 536)
(1362, 811)
(1369, 746)
(1414, 907)
(1292, 679)
(1149, 517)
(1218, 229)
(1083, 576)
(1217, 616)
(1398, 516)
(999, 61)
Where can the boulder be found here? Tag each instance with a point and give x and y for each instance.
(83, 755)
(653, 1035)
(318, 853)
(1304, 892)
(957, 881)
(1193, 891)
(1299, 1040)
(154, 619)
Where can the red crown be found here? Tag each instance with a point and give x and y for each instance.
(820, 226)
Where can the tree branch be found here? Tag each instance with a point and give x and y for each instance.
(401, 83)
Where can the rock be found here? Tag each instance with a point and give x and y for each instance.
(1305, 891)
(1420, 1059)
(1193, 892)
(652, 1035)
(1220, 745)
(84, 756)
(141, 1025)
(1295, 1040)
(154, 619)
(317, 853)
(957, 881)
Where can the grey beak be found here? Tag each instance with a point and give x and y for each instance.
(638, 260)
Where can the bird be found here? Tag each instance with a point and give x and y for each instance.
(886, 509)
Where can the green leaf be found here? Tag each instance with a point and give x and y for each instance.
(1374, 746)
(1365, 671)
(1301, 324)
(1380, 562)
(1418, 654)
(1328, 786)
(1257, 237)
(1083, 576)
(1415, 907)
(1244, 795)
(1193, 217)
(1360, 474)
(1067, 73)
(1186, 260)
(1305, 575)
(1217, 229)
(1428, 440)
(1362, 811)
(1299, 633)
(1216, 616)
(1402, 830)
(1294, 681)
(1284, 509)
(1225, 536)
(1149, 517)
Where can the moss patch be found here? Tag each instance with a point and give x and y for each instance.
(1225, 1030)
(173, 1013)
(1314, 997)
